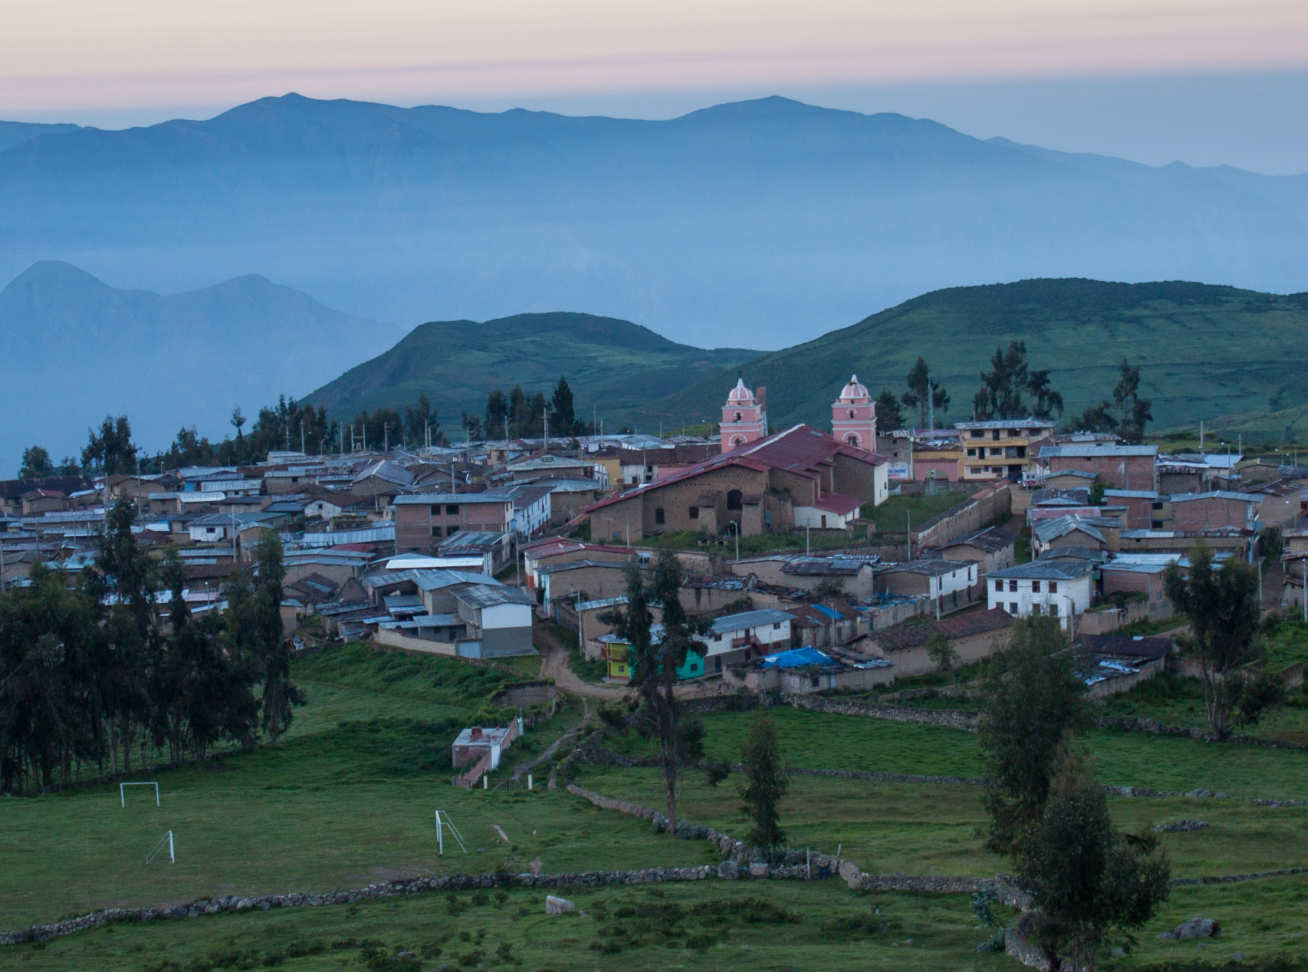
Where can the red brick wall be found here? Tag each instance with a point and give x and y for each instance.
(1209, 513)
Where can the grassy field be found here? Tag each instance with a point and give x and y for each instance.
(346, 799)
(684, 926)
(909, 828)
(892, 516)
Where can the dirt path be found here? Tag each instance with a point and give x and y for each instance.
(554, 668)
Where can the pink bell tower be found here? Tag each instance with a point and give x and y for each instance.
(744, 417)
(854, 416)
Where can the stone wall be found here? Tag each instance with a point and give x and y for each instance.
(985, 507)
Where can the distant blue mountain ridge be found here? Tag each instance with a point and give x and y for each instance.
(753, 223)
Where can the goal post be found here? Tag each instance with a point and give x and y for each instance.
(444, 824)
(165, 841)
(122, 791)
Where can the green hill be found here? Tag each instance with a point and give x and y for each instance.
(1205, 350)
(614, 365)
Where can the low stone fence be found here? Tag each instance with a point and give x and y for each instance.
(389, 889)
(803, 865)
(1141, 724)
(966, 721)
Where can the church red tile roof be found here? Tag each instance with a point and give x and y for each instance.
(800, 449)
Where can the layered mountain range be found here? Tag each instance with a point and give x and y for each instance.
(759, 224)
(755, 223)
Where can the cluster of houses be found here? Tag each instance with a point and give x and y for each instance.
(461, 550)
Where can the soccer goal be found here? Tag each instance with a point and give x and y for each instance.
(443, 824)
(165, 841)
(122, 791)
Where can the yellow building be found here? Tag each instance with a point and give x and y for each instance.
(1000, 448)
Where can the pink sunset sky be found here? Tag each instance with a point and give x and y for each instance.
(138, 61)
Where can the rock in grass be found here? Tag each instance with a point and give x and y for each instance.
(558, 906)
(1194, 928)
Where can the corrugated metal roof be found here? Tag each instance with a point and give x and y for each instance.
(1045, 569)
(1096, 451)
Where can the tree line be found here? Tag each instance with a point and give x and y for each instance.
(90, 674)
(1012, 389)
(518, 415)
(288, 424)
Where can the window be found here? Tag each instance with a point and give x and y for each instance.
(971, 453)
(734, 499)
(658, 514)
(1035, 587)
(1012, 608)
(1035, 610)
(851, 413)
(776, 625)
(1012, 586)
(1053, 610)
(737, 416)
(693, 512)
(435, 532)
(999, 585)
(1053, 587)
(451, 509)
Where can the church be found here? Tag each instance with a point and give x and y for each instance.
(760, 482)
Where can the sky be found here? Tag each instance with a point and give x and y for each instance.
(1204, 81)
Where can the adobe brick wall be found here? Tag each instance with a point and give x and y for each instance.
(1210, 513)
(984, 508)
(596, 582)
(1117, 472)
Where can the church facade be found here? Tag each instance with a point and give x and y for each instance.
(760, 482)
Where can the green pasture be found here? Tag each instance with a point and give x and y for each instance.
(346, 799)
(708, 925)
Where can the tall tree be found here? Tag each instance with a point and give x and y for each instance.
(497, 410)
(1132, 410)
(765, 784)
(268, 640)
(1222, 605)
(127, 582)
(563, 416)
(1033, 700)
(942, 653)
(1087, 878)
(924, 393)
(889, 414)
(420, 422)
(654, 666)
(36, 463)
(1047, 402)
(1005, 387)
(110, 450)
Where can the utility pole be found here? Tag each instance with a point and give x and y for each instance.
(302, 452)
(547, 426)
(908, 534)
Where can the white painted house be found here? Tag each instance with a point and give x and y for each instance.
(1056, 588)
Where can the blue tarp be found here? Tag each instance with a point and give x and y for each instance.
(797, 658)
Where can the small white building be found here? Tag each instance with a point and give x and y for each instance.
(832, 512)
(531, 508)
(1056, 588)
